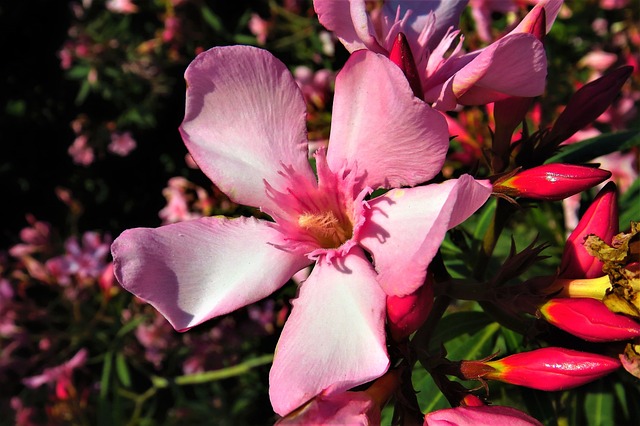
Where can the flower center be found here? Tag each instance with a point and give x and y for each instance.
(326, 228)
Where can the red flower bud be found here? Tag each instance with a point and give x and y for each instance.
(551, 369)
(551, 182)
(589, 319)
(587, 104)
(601, 219)
(484, 415)
(406, 314)
(401, 56)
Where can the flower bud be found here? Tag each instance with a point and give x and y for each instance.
(601, 219)
(589, 319)
(551, 182)
(484, 415)
(406, 314)
(551, 369)
(401, 56)
(587, 104)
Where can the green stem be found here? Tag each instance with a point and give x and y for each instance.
(211, 376)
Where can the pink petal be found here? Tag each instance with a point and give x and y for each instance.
(392, 137)
(407, 226)
(350, 22)
(515, 65)
(193, 271)
(245, 119)
(447, 15)
(334, 339)
(476, 416)
(551, 9)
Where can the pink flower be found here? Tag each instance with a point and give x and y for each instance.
(479, 415)
(121, 143)
(259, 28)
(61, 376)
(512, 66)
(84, 260)
(121, 6)
(80, 151)
(406, 314)
(245, 127)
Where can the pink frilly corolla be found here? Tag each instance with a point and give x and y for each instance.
(245, 127)
(514, 65)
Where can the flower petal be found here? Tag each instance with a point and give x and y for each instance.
(392, 137)
(515, 65)
(447, 15)
(192, 271)
(334, 339)
(407, 226)
(350, 22)
(245, 119)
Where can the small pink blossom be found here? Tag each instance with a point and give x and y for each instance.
(245, 126)
(121, 143)
(121, 6)
(36, 238)
(81, 152)
(259, 28)
(85, 261)
(61, 377)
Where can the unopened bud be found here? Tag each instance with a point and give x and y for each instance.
(589, 319)
(551, 369)
(601, 219)
(550, 182)
(401, 56)
(594, 288)
(406, 314)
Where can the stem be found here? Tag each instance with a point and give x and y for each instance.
(211, 376)
(503, 211)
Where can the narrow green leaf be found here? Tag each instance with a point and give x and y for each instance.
(589, 149)
(540, 406)
(106, 374)
(599, 405)
(212, 19)
(123, 370)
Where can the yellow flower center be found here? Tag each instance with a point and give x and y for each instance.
(326, 228)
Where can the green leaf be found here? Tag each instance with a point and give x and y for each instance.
(589, 149)
(213, 20)
(122, 370)
(106, 374)
(599, 405)
(466, 335)
(628, 204)
(540, 406)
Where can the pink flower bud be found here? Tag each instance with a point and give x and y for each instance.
(551, 182)
(551, 369)
(401, 56)
(601, 219)
(587, 104)
(484, 415)
(406, 314)
(589, 319)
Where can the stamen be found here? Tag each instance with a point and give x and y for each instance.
(326, 228)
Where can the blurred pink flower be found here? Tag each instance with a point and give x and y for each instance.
(25, 416)
(84, 260)
(36, 238)
(259, 28)
(178, 204)
(121, 6)
(245, 126)
(61, 377)
(316, 86)
(80, 151)
(613, 4)
(121, 143)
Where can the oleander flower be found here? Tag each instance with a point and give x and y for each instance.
(245, 127)
(514, 65)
